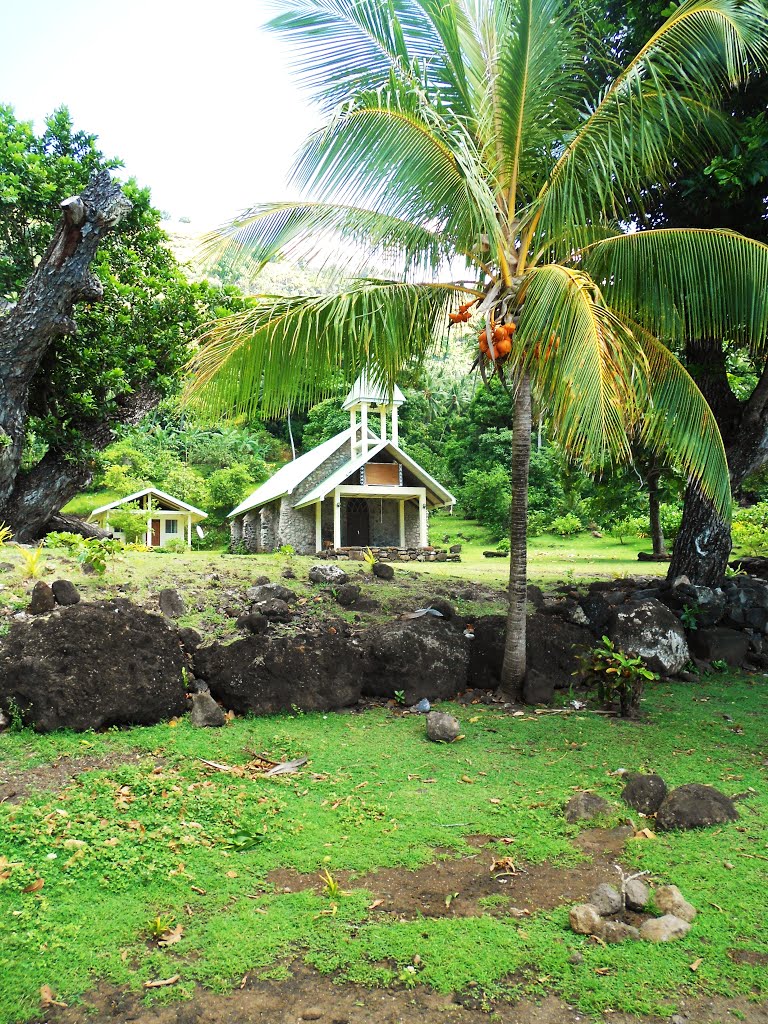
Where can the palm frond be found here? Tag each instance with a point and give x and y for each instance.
(281, 353)
(683, 283)
(539, 82)
(582, 361)
(345, 47)
(386, 156)
(306, 230)
(659, 116)
(678, 424)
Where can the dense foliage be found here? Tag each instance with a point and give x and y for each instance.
(138, 336)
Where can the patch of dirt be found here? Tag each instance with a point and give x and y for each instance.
(748, 956)
(454, 887)
(310, 996)
(15, 785)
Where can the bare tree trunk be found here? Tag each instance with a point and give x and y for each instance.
(654, 512)
(514, 665)
(44, 313)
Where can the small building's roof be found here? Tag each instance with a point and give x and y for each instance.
(369, 391)
(176, 504)
(287, 479)
(440, 495)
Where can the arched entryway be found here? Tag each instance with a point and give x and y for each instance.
(358, 524)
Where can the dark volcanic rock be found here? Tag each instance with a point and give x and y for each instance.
(585, 806)
(171, 603)
(425, 657)
(552, 644)
(706, 604)
(43, 600)
(274, 609)
(746, 603)
(252, 622)
(442, 728)
(649, 630)
(65, 592)
(92, 666)
(439, 604)
(330, 574)
(695, 806)
(189, 639)
(347, 594)
(719, 644)
(206, 713)
(538, 688)
(314, 672)
(270, 592)
(644, 792)
(755, 565)
(383, 571)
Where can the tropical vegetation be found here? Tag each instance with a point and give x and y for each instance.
(466, 153)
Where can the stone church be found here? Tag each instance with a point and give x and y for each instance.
(357, 490)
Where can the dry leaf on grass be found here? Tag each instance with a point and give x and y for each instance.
(172, 936)
(645, 833)
(35, 886)
(162, 982)
(505, 864)
(47, 998)
(696, 964)
(375, 904)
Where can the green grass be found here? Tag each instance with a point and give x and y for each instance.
(122, 845)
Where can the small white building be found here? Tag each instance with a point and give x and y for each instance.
(169, 518)
(357, 490)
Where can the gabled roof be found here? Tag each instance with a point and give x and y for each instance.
(364, 390)
(442, 496)
(287, 479)
(176, 503)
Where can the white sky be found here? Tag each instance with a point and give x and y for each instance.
(195, 98)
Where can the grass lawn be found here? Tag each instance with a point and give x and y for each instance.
(150, 831)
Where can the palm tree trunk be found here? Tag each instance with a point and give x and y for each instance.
(514, 666)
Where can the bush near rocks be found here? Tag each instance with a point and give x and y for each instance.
(91, 666)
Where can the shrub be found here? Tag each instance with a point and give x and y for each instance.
(131, 521)
(749, 529)
(486, 496)
(615, 674)
(566, 526)
(174, 546)
(537, 523)
(671, 517)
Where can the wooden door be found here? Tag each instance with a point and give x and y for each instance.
(358, 524)
(155, 533)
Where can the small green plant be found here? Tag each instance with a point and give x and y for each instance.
(174, 546)
(331, 888)
(369, 558)
(408, 976)
(32, 562)
(400, 696)
(159, 926)
(731, 573)
(6, 534)
(566, 526)
(14, 715)
(719, 665)
(690, 615)
(503, 545)
(615, 674)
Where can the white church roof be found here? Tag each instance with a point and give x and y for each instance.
(364, 391)
(287, 479)
(439, 494)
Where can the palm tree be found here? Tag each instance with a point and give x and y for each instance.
(463, 141)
